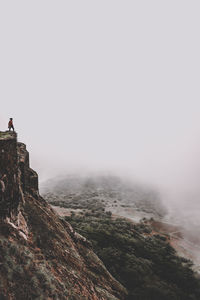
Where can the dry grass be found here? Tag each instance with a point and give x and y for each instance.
(7, 134)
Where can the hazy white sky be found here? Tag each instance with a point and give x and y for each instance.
(108, 85)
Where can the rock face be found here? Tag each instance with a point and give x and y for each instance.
(41, 257)
(9, 184)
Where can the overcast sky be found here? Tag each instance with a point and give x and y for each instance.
(104, 85)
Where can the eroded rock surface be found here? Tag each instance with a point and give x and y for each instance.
(41, 257)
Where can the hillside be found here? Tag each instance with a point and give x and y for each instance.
(142, 260)
(104, 192)
(41, 256)
(91, 254)
(141, 255)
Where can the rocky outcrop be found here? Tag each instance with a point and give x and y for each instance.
(41, 257)
(10, 194)
(29, 178)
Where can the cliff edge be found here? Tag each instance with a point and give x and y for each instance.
(41, 257)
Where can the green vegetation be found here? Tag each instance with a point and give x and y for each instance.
(77, 202)
(22, 275)
(109, 192)
(145, 264)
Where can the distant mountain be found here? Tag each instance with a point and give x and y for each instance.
(140, 255)
(110, 193)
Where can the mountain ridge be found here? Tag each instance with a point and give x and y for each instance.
(41, 256)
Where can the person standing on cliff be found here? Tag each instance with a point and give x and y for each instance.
(10, 125)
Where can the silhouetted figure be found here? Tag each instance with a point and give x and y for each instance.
(10, 125)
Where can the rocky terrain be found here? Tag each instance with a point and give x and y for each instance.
(141, 259)
(89, 252)
(80, 194)
(84, 200)
(41, 256)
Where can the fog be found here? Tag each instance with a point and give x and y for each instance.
(106, 86)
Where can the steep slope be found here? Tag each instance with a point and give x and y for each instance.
(141, 259)
(41, 257)
(142, 256)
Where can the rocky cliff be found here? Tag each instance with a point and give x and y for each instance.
(41, 257)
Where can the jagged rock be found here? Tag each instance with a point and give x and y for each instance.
(10, 188)
(29, 177)
(41, 257)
